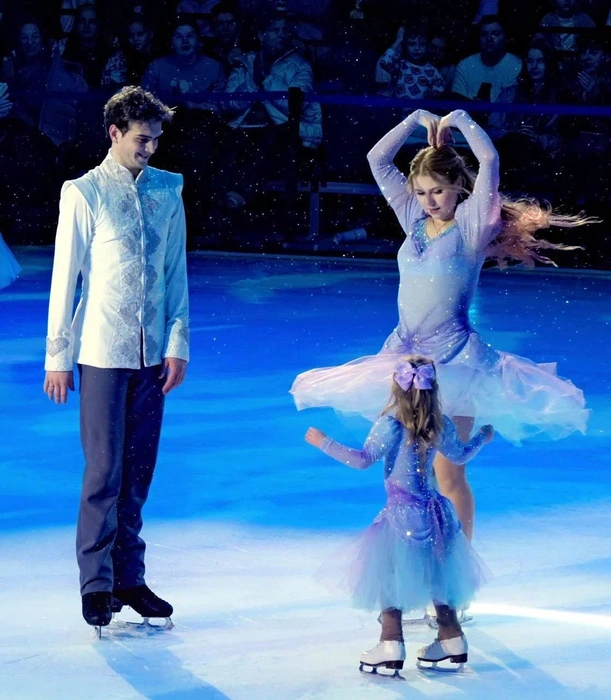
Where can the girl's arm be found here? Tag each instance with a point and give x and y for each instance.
(482, 213)
(376, 445)
(457, 451)
(391, 181)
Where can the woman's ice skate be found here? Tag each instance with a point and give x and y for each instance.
(143, 601)
(455, 649)
(384, 655)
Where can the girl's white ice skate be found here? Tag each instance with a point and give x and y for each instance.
(455, 649)
(384, 655)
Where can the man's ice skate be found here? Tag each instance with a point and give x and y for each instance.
(455, 649)
(389, 655)
(143, 601)
(97, 610)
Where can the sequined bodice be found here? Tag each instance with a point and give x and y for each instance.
(438, 280)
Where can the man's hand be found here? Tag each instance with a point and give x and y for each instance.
(57, 384)
(174, 371)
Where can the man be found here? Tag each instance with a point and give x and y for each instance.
(122, 227)
(262, 127)
(484, 75)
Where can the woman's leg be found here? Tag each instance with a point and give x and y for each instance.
(392, 630)
(452, 480)
(449, 627)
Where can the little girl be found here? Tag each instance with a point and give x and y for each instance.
(415, 551)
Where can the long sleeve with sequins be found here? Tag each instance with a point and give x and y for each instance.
(480, 214)
(391, 181)
(378, 443)
(455, 450)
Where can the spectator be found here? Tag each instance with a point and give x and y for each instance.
(262, 137)
(485, 74)
(196, 130)
(535, 134)
(185, 72)
(565, 14)
(67, 17)
(26, 70)
(591, 83)
(440, 59)
(588, 138)
(87, 46)
(275, 67)
(404, 69)
(226, 26)
(198, 8)
(128, 64)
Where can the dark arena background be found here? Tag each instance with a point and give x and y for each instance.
(292, 265)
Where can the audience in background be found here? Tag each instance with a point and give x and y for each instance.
(61, 60)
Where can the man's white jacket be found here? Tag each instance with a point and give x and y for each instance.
(127, 238)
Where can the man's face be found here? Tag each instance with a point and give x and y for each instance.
(87, 24)
(139, 37)
(565, 7)
(30, 41)
(134, 148)
(275, 38)
(225, 26)
(184, 41)
(591, 59)
(492, 38)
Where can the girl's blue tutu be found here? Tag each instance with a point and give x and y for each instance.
(413, 553)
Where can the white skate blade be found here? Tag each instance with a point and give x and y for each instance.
(372, 670)
(145, 624)
(416, 621)
(447, 667)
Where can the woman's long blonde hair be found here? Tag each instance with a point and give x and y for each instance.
(520, 218)
(419, 410)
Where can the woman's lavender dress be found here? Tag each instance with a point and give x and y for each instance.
(438, 280)
(415, 551)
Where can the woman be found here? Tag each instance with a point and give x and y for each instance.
(454, 221)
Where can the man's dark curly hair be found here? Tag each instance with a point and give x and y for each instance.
(133, 104)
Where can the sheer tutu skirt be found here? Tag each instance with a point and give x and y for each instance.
(9, 267)
(520, 398)
(383, 569)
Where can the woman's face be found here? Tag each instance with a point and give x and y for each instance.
(87, 24)
(535, 64)
(184, 41)
(139, 37)
(30, 40)
(436, 197)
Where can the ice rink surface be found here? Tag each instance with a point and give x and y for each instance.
(242, 511)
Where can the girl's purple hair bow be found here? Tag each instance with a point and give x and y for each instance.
(421, 377)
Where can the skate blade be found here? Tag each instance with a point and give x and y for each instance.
(373, 671)
(457, 667)
(145, 625)
(416, 621)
